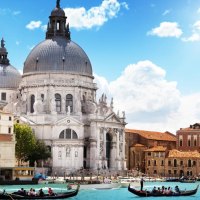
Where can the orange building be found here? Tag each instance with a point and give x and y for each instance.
(171, 163)
(137, 141)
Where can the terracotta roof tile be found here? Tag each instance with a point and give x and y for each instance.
(183, 154)
(138, 145)
(153, 135)
(157, 148)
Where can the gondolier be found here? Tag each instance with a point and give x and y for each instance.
(141, 183)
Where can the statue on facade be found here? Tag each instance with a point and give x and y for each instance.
(68, 110)
(53, 106)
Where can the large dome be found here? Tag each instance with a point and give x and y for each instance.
(9, 77)
(58, 54)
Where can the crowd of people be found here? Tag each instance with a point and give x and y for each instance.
(32, 192)
(165, 190)
(162, 190)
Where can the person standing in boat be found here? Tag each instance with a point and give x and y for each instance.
(141, 183)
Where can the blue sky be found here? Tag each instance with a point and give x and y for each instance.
(144, 53)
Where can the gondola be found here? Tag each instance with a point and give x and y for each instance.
(146, 193)
(62, 195)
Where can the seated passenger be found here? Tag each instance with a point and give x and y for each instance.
(50, 192)
(177, 190)
(154, 190)
(34, 192)
(22, 191)
(169, 190)
(41, 193)
(165, 191)
(30, 192)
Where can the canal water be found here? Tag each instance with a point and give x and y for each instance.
(112, 194)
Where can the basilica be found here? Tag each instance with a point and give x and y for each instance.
(56, 96)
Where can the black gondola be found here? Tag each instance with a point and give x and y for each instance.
(145, 193)
(62, 195)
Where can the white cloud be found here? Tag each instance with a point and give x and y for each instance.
(166, 12)
(44, 27)
(81, 18)
(166, 29)
(149, 100)
(16, 12)
(195, 37)
(6, 11)
(33, 25)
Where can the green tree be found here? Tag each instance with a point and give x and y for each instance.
(25, 142)
(40, 152)
(28, 147)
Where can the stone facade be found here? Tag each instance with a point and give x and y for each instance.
(188, 139)
(7, 145)
(160, 162)
(137, 141)
(57, 98)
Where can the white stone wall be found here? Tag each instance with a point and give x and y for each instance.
(11, 94)
(7, 148)
(7, 154)
(86, 119)
(6, 122)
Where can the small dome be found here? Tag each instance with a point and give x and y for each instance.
(58, 54)
(9, 77)
(58, 12)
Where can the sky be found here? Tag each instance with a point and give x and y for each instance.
(144, 53)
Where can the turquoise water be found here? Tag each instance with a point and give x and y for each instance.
(113, 194)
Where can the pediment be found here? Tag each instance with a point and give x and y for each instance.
(25, 120)
(68, 120)
(112, 118)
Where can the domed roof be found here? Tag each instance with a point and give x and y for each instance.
(9, 77)
(58, 54)
(58, 12)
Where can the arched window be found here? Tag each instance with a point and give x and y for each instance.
(58, 102)
(175, 163)
(74, 135)
(189, 143)
(61, 136)
(32, 103)
(195, 142)
(68, 134)
(189, 163)
(181, 143)
(69, 102)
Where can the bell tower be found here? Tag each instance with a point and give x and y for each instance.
(57, 23)
(3, 54)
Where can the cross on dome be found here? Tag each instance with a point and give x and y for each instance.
(58, 4)
(2, 43)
